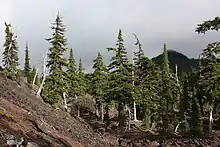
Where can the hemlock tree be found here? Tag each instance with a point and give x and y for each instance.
(27, 68)
(72, 77)
(120, 81)
(135, 73)
(10, 53)
(55, 84)
(169, 95)
(81, 79)
(99, 83)
(148, 89)
(210, 68)
(196, 121)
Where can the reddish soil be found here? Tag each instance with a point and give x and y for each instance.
(23, 115)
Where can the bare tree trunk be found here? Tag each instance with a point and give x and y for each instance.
(177, 126)
(78, 109)
(102, 111)
(176, 74)
(134, 104)
(211, 117)
(44, 75)
(65, 101)
(129, 116)
(35, 76)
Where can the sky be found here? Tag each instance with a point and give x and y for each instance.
(92, 26)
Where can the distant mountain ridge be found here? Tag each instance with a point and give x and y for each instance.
(185, 64)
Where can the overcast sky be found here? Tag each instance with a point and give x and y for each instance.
(92, 25)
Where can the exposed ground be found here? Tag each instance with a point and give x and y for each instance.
(26, 117)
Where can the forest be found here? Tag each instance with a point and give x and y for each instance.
(157, 95)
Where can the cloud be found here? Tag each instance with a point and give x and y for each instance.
(92, 26)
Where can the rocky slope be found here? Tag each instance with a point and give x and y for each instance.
(28, 121)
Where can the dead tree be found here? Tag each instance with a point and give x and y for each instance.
(44, 75)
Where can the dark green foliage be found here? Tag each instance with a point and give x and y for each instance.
(120, 79)
(55, 83)
(99, 79)
(27, 68)
(196, 121)
(72, 76)
(10, 53)
(81, 79)
(169, 95)
(209, 25)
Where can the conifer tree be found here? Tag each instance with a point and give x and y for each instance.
(55, 84)
(10, 53)
(149, 82)
(210, 68)
(27, 68)
(169, 95)
(196, 121)
(99, 82)
(120, 83)
(72, 77)
(81, 79)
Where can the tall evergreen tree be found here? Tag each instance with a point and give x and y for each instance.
(72, 77)
(99, 82)
(55, 83)
(210, 69)
(27, 68)
(120, 81)
(10, 53)
(81, 79)
(196, 121)
(169, 95)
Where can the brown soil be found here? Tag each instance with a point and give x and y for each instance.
(23, 115)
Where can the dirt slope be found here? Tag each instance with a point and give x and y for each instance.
(26, 118)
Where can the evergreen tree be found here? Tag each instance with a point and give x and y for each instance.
(148, 89)
(208, 25)
(72, 77)
(81, 79)
(99, 81)
(55, 84)
(120, 81)
(27, 68)
(10, 53)
(210, 69)
(169, 95)
(196, 121)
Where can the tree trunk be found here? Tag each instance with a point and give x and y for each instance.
(210, 117)
(78, 109)
(65, 101)
(135, 112)
(129, 117)
(120, 114)
(35, 76)
(102, 112)
(44, 75)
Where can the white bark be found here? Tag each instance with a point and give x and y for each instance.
(78, 111)
(177, 126)
(176, 74)
(102, 112)
(134, 104)
(44, 75)
(35, 76)
(211, 117)
(65, 101)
